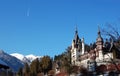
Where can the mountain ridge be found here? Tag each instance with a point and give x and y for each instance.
(14, 63)
(25, 58)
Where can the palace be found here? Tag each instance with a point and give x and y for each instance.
(103, 55)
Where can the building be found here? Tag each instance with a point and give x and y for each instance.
(77, 49)
(104, 55)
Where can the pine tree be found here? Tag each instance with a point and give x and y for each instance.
(20, 72)
(46, 64)
(26, 70)
(34, 67)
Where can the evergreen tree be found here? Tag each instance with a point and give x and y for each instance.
(64, 60)
(26, 70)
(46, 64)
(20, 72)
(34, 67)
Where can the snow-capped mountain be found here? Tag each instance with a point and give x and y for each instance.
(21, 57)
(32, 57)
(14, 63)
(26, 59)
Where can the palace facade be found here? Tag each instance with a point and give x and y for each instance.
(104, 55)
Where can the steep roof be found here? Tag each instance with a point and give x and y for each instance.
(76, 38)
(99, 38)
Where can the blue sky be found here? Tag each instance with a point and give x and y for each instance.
(46, 27)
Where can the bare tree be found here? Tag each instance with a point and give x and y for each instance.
(114, 36)
(111, 31)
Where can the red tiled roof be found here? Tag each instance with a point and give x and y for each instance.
(62, 74)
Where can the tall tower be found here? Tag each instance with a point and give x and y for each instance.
(83, 46)
(76, 49)
(99, 43)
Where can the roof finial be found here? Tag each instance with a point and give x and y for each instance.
(76, 38)
(76, 29)
(99, 35)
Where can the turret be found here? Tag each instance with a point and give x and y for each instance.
(76, 49)
(99, 43)
(83, 46)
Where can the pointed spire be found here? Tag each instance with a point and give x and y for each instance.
(99, 33)
(99, 38)
(76, 38)
(76, 30)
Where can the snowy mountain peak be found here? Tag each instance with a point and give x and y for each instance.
(14, 63)
(17, 55)
(25, 59)
(32, 57)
